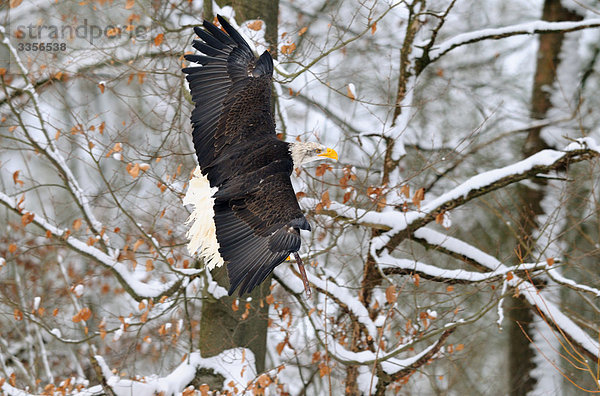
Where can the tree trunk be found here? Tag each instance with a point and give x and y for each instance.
(266, 10)
(521, 353)
(223, 326)
(229, 324)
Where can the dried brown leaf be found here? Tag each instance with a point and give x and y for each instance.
(390, 294)
(288, 49)
(27, 218)
(137, 244)
(255, 25)
(133, 170)
(325, 199)
(321, 169)
(418, 197)
(16, 178)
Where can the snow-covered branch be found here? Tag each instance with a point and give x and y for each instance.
(399, 225)
(49, 149)
(130, 281)
(535, 27)
(411, 223)
(399, 266)
(481, 184)
(389, 360)
(237, 367)
(551, 312)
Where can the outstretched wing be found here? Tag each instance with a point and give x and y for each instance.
(258, 230)
(257, 216)
(231, 91)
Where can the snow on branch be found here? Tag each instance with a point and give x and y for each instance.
(235, 365)
(136, 288)
(389, 361)
(534, 27)
(557, 277)
(481, 184)
(344, 298)
(400, 266)
(400, 225)
(49, 149)
(546, 309)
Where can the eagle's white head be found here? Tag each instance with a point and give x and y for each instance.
(303, 152)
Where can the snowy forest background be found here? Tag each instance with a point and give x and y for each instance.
(455, 245)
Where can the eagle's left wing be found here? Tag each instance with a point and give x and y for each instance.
(231, 92)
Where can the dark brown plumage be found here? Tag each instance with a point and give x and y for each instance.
(256, 214)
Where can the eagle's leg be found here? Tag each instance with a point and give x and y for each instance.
(302, 274)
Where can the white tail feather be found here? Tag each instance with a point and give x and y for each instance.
(202, 233)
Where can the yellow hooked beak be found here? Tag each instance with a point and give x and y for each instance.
(330, 153)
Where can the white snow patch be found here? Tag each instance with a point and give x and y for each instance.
(78, 290)
(118, 333)
(380, 320)
(583, 143)
(547, 359)
(36, 303)
(367, 381)
(446, 220)
(352, 90)
(432, 314)
(235, 365)
(501, 304)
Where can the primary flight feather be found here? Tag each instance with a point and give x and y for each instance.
(246, 213)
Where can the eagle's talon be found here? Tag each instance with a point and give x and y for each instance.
(303, 275)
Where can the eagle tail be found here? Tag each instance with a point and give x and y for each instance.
(202, 233)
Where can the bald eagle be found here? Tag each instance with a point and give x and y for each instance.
(245, 209)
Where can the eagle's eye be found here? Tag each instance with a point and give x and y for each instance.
(318, 151)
